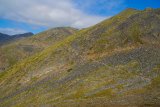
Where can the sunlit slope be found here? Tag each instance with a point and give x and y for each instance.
(20, 49)
(116, 62)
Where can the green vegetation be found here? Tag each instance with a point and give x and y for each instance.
(108, 92)
(136, 33)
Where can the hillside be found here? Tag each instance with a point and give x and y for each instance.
(19, 49)
(116, 62)
(17, 36)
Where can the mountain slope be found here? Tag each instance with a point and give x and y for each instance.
(20, 49)
(17, 36)
(116, 62)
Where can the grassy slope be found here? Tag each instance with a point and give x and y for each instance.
(18, 50)
(110, 63)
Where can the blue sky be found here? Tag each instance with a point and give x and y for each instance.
(19, 16)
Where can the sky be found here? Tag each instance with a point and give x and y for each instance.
(20, 16)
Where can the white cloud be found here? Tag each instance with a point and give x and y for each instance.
(11, 31)
(50, 13)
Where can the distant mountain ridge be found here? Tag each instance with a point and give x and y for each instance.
(28, 34)
(4, 38)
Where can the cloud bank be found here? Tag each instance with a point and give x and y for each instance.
(49, 13)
